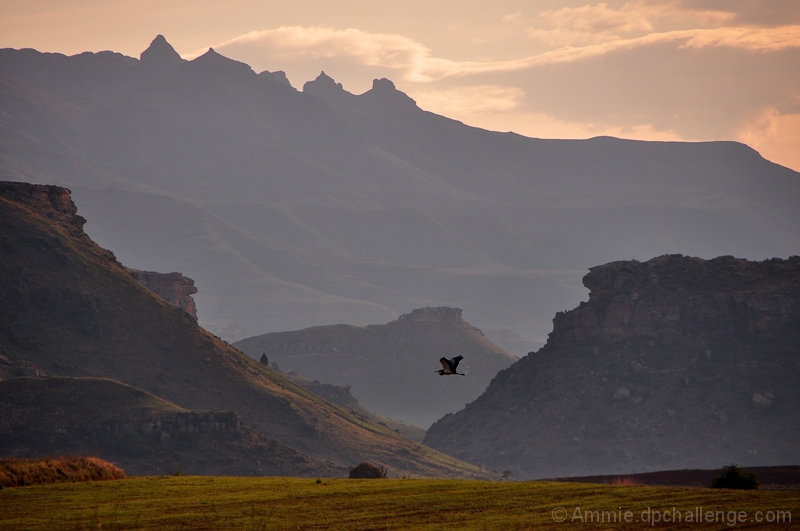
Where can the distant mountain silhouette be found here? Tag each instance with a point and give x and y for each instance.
(160, 55)
(390, 367)
(292, 209)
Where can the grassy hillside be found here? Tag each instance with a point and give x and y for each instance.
(137, 431)
(281, 503)
(73, 310)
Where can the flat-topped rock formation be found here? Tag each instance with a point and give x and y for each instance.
(672, 363)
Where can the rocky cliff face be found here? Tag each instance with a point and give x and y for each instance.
(56, 202)
(675, 298)
(677, 362)
(57, 198)
(174, 288)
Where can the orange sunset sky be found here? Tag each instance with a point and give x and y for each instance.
(645, 69)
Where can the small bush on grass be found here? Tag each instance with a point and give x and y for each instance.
(733, 477)
(367, 471)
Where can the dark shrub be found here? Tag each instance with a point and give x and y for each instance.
(733, 477)
(367, 471)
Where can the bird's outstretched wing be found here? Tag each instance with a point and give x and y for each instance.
(455, 362)
(445, 364)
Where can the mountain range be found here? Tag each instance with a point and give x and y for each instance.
(297, 208)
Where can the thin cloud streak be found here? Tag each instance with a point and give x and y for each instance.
(415, 62)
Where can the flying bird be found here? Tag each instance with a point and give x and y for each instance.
(449, 366)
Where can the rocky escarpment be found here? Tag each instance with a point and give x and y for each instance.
(441, 315)
(55, 198)
(174, 288)
(675, 298)
(677, 362)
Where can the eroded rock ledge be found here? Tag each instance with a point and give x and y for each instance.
(57, 198)
(174, 288)
(675, 295)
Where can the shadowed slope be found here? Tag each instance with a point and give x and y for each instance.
(137, 431)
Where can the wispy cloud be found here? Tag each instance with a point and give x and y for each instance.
(476, 98)
(414, 62)
(372, 49)
(591, 23)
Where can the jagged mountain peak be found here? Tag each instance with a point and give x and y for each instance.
(323, 85)
(383, 84)
(278, 76)
(384, 91)
(216, 61)
(160, 53)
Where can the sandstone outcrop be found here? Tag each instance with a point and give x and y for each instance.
(174, 288)
(676, 362)
(673, 298)
(437, 315)
(56, 197)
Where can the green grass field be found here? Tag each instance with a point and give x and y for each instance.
(199, 503)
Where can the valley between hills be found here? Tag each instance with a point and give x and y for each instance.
(622, 307)
(120, 372)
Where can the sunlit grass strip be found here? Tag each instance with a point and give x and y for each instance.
(201, 503)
